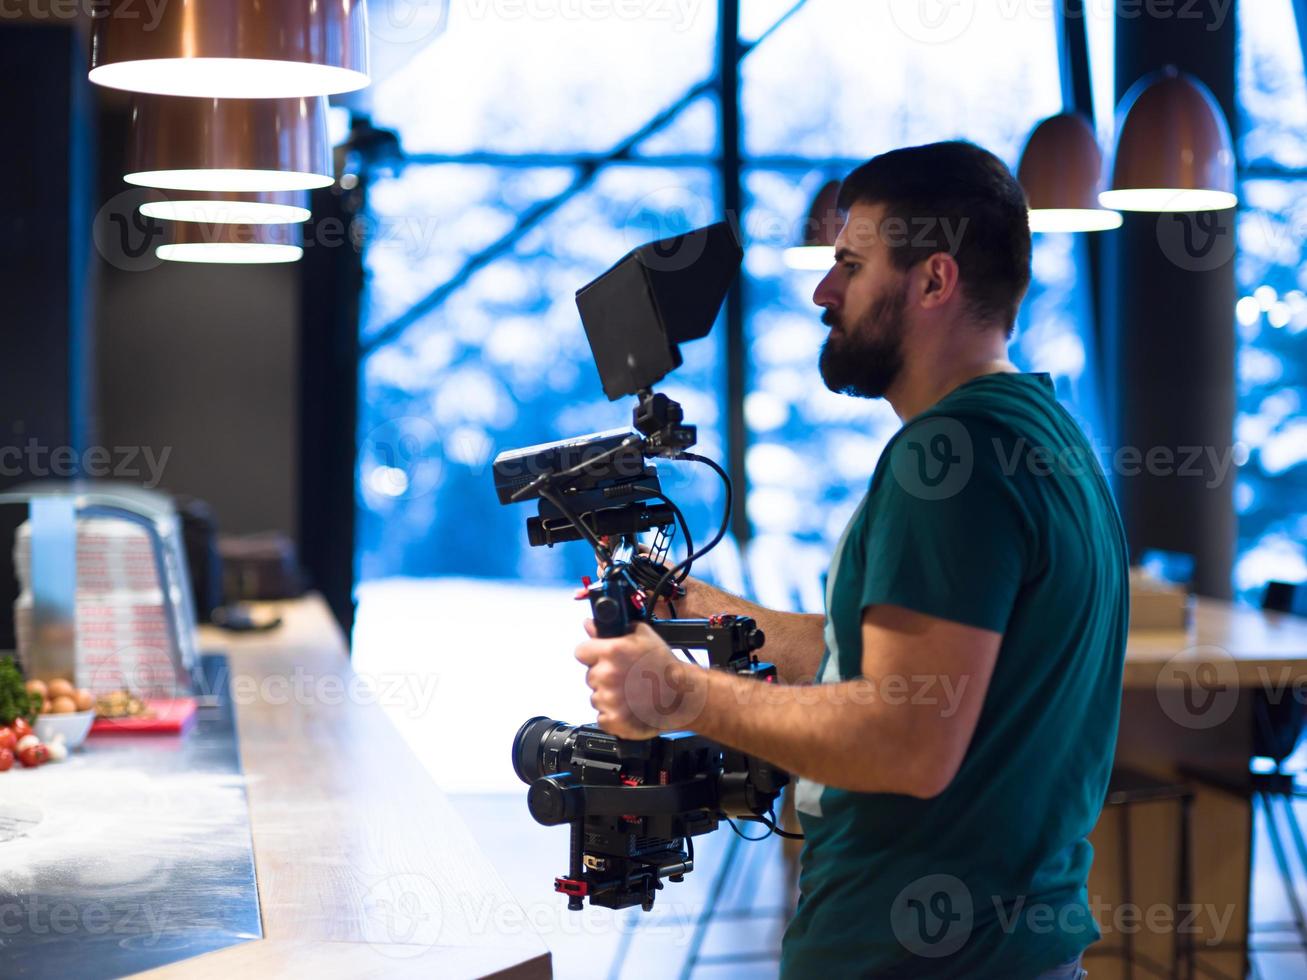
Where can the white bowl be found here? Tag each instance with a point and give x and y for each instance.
(74, 726)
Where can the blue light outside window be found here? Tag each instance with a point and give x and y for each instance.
(503, 362)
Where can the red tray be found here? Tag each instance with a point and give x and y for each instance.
(171, 716)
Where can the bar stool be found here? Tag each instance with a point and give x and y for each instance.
(1130, 788)
(1277, 731)
(1270, 787)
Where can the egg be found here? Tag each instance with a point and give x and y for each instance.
(37, 687)
(60, 688)
(63, 705)
(84, 700)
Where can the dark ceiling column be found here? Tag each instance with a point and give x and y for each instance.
(1170, 323)
(45, 352)
(332, 285)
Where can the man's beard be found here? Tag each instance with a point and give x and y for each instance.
(864, 358)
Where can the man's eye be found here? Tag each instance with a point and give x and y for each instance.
(852, 267)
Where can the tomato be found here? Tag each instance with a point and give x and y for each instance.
(21, 727)
(34, 755)
(7, 738)
(6, 760)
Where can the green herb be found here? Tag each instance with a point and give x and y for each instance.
(15, 701)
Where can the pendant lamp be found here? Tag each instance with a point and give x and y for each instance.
(232, 244)
(822, 226)
(240, 145)
(242, 49)
(1173, 149)
(211, 207)
(1061, 171)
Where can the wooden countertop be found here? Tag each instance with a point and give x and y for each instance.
(363, 866)
(1244, 646)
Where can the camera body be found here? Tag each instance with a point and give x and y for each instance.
(635, 804)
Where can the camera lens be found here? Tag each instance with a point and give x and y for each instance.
(529, 744)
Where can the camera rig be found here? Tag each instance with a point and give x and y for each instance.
(634, 806)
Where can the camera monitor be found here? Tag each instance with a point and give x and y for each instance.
(658, 296)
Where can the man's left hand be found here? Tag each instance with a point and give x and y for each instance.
(640, 687)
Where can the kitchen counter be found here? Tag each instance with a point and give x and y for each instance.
(363, 868)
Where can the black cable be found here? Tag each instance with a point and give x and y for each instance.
(743, 836)
(775, 829)
(680, 517)
(600, 550)
(692, 556)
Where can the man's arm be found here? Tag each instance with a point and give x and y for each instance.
(794, 640)
(903, 727)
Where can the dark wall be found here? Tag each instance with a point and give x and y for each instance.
(200, 362)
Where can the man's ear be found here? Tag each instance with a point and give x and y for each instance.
(939, 279)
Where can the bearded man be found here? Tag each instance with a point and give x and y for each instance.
(954, 751)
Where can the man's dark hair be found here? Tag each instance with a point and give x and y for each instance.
(974, 192)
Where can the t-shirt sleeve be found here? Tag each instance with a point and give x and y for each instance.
(949, 537)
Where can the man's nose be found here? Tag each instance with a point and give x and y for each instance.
(827, 293)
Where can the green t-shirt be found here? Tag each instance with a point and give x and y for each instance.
(989, 510)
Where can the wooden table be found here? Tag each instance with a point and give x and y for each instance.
(364, 868)
(1187, 707)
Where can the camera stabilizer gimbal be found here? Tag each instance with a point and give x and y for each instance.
(634, 806)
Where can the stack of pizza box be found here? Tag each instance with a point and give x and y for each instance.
(122, 638)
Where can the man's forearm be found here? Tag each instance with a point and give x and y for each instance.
(835, 734)
(794, 640)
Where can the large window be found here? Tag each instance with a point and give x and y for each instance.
(509, 203)
(1271, 315)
